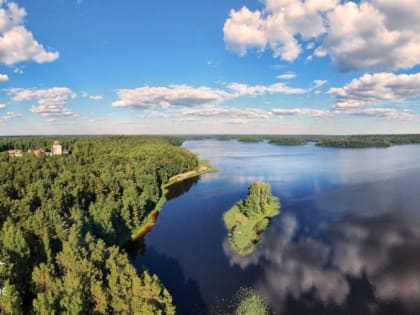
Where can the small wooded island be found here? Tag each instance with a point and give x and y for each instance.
(248, 218)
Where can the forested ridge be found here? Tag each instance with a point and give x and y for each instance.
(64, 218)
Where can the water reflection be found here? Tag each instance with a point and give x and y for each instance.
(384, 250)
(346, 242)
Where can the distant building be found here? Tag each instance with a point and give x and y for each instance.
(15, 153)
(38, 152)
(57, 148)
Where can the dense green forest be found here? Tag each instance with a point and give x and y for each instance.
(63, 220)
(248, 218)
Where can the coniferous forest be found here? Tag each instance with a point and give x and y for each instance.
(64, 219)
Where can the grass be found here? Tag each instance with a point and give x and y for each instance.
(245, 226)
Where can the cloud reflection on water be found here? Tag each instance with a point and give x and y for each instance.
(384, 249)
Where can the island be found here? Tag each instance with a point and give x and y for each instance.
(249, 218)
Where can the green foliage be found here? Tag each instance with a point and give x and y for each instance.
(248, 218)
(61, 217)
(296, 140)
(250, 303)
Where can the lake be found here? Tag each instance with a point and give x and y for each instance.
(347, 240)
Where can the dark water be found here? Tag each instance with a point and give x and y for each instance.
(347, 240)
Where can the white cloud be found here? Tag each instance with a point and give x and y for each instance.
(9, 116)
(319, 83)
(2, 106)
(244, 30)
(51, 102)
(184, 95)
(276, 26)
(390, 113)
(17, 43)
(379, 33)
(236, 115)
(96, 97)
(315, 113)
(165, 97)
(4, 78)
(376, 34)
(253, 90)
(286, 76)
(374, 88)
(92, 97)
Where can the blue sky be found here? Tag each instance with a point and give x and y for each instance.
(269, 66)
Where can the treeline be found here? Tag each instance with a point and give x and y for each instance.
(63, 219)
(366, 141)
(351, 141)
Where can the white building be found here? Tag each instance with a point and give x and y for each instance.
(57, 148)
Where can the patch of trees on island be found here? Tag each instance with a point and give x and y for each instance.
(249, 218)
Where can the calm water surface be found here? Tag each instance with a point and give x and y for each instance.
(347, 240)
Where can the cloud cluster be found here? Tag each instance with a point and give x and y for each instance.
(374, 88)
(4, 78)
(164, 97)
(148, 97)
(233, 115)
(17, 43)
(243, 89)
(2, 106)
(9, 116)
(370, 34)
(315, 113)
(51, 102)
(389, 113)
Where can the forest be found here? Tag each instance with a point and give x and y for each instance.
(64, 220)
(249, 218)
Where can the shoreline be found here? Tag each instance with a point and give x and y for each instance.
(204, 167)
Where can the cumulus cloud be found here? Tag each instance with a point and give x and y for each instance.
(374, 88)
(9, 116)
(165, 97)
(184, 95)
(370, 34)
(51, 102)
(276, 26)
(315, 113)
(4, 78)
(2, 106)
(17, 43)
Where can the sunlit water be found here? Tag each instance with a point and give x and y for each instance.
(347, 240)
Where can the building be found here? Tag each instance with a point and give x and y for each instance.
(15, 153)
(38, 152)
(57, 148)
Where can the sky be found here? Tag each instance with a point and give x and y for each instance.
(209, 67)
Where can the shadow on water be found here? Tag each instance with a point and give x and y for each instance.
(185, 292)
(178, 189)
